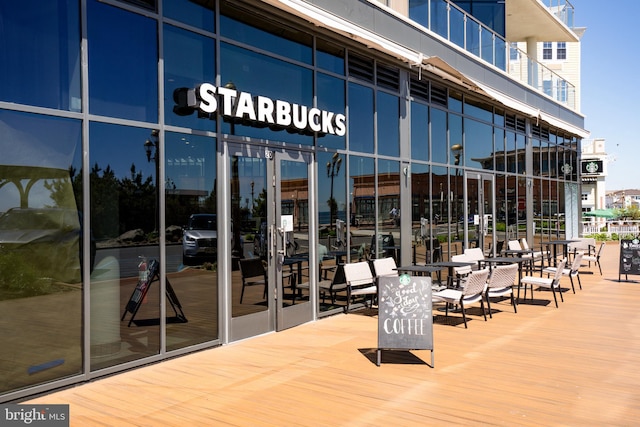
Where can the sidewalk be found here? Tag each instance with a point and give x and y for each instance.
(577, 365)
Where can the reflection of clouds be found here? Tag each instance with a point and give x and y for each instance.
(30, 142)
(37, 142)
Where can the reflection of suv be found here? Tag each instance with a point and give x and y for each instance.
(50, 239)
(200, 238)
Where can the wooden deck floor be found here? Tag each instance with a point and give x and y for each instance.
(578, 365)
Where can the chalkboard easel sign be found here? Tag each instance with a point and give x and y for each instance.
(405, 319)
(629, 258)
(142, 288)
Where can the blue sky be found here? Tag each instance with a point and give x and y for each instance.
(610, 90)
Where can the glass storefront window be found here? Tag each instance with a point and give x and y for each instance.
(189, 60)
(330, 93)
(478, 147)
(191, 237)
(255, 73)
(330, 57)
(388, 115)
(41, 249)
(41, 42)
(360, 118)
(124, 222)
(362, 190)
(419, 131)
(123, 64)
(238, 25)
(197, 14)
(439, 140)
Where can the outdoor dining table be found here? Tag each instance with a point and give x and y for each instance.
(420, 270)
(520, 253)
(450, 265)
(555, 244)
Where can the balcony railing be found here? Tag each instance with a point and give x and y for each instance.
(535, 74)
(563, 10)
(452, 23)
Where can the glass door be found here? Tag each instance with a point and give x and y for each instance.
(293, 265)
(480, 207)
(271, 264)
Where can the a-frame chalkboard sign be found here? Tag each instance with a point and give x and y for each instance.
(629, 258)
(405, 319)
(141, 289)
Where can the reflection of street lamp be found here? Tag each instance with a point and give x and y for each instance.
(151, 149)
(456, 149)
(333, 168)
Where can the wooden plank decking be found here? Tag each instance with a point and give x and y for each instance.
(577, 365)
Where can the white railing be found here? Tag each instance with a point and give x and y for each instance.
(620, 228)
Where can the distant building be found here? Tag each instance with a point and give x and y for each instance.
(594, 173)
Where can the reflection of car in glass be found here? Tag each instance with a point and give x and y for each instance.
(200, 239)
(47, 238)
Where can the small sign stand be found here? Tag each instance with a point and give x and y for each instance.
(141, 290)
(405, 319)
(629, 258)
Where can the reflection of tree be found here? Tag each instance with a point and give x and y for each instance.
(117, 205)
(260, 205)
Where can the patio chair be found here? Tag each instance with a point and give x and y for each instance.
(360, 281)
(500, 284)
(472, 291)
(337, 284)
(385, 267)
(253, 274)
(460, 272)
(474, 255)
(538, 256)
(546, 282)
(572, 272)
(595, 258)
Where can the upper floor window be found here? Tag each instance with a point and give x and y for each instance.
(547, 50)
(561, 52)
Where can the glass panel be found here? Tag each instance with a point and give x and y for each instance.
(388, 191)
(294, 201)
(521, 146)
(419, 131)
(363, 205)
(249, 206)
(360, 118)
(512, 154)
(388, 116)
(439, 146)
(45, 65)
(500, 53)
(455, 140)
(424, 215)
(439, 17)
(441, 197)
(255, 73)
(486, 40)
(191, 238)
(500, 161)
(478, 109)
(511, 207)
(195, 13)
(478, 145)
(243, 27)
(123, 64)
(456, 27)
(332, 202)
(124, 221)
(330, 57)
(41, 237)
(456, 225)
(502, 195)
(473, 37)
(330, 92)
(188, 62)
